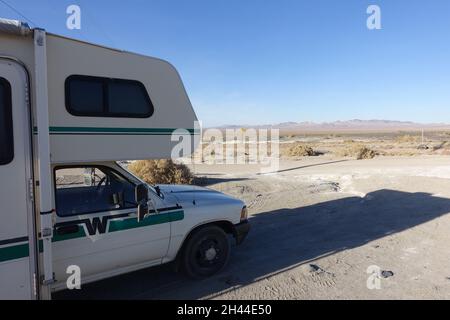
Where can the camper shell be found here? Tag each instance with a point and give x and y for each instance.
(77, 136)
(72, 106)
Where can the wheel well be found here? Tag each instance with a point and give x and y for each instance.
(224, 225)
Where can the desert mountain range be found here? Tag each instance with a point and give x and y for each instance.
(349, 125)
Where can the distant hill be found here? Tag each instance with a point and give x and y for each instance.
(348, 125)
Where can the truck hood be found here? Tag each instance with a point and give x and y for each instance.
(186, 195)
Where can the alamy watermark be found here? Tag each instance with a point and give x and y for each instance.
(228, 146)
(374, 280)
(374, 19)
(73, 21)
(74, 279)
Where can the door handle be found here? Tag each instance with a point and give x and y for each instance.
(74, 228)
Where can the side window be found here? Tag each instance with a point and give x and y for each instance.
(104, 97)
(6, 124)
(84, 190)
(86, 96)
(127, 97)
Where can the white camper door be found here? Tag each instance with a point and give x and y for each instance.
(17, 243)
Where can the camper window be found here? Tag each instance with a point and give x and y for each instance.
(104, 97)
(84, 190)
(86, 96)
(6, 127)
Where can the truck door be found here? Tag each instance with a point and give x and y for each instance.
(17, 231)
(96, 225)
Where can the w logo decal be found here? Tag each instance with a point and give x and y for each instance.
(97, 226)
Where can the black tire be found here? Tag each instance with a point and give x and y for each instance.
(206, 252)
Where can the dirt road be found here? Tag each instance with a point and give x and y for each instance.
(317, 226)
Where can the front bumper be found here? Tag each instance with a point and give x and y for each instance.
(241, 231)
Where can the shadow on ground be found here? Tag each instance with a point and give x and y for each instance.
(209, 181)
(280, 240)
(303, 167)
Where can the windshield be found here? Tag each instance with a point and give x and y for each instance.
(124, 165)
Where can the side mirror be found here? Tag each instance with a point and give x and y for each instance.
(158, 191)
(141, 193)
(141, 197)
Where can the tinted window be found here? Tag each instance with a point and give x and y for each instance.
(84, 190)
(127, 97)
(105, 97)
(6, 127)
(86, 96)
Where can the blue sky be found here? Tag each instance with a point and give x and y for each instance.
(255, 61)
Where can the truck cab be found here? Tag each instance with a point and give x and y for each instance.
(97, 215)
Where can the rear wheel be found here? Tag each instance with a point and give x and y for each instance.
(206, 252)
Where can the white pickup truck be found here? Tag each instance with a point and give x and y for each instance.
(108, 221)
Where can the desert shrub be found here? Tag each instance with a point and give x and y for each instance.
(365, 153)
(163, 171)
(358, 151)
(407, 138)
(299, 150)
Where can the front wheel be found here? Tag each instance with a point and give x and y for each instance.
(206, 252)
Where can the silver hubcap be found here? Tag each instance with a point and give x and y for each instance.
(210, 254)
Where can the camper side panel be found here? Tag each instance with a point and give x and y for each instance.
(89, 136)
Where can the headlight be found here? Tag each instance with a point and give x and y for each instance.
(244, 213)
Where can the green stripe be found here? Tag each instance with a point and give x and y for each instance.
(105, 130)
(119, 225)
(108, 134)
(176, 216)
(14, 252)
(115, 130)
(22, 250)
(79, 234)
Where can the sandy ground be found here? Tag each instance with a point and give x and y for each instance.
(317, 226)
